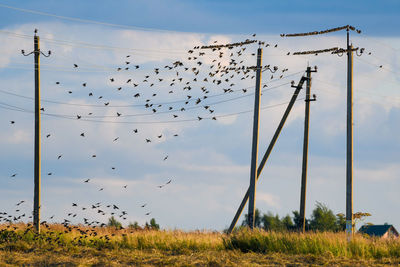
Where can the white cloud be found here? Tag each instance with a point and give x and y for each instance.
(271, 200)
(209, 168)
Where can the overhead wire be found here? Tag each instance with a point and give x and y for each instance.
(150, 122)
(84, 20)
(141, 105)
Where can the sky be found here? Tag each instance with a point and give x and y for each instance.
(208, 162)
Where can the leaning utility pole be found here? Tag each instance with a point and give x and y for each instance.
(36, 197)
(349, 143)
(305, 150)
(254, 148)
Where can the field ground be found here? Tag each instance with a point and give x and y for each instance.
(85, 246)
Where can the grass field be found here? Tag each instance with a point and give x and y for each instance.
(85, 246)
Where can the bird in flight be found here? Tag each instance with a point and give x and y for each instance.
(59, 156)
(87, 181)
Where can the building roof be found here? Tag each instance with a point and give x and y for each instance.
(376, 230)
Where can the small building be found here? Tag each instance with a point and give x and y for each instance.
(383, 231)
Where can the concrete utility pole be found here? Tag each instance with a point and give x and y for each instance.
(37, 165)
(36, 200)
(268, 152)
(349, 136)
(305, 150)
(254, 148)
(349, 143)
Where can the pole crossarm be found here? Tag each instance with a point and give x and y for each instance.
(269, 150)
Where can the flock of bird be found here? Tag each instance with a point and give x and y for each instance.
(218, 68)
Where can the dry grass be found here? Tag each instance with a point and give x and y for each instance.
(85, 246)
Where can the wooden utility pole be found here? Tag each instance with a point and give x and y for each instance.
(254, 148)
(37, 165)
(349, 143)
(305, 150)
(268, 152)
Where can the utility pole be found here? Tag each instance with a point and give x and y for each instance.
(269, 150)
(254, 148)
(37, 165)
(36, 200)
(305, 149)
(349, 143)
(349, 135)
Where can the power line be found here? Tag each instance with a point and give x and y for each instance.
(84, 20)
(164, 112)
(96, 46)
(15, 108)
(378, 66)
(141, 105)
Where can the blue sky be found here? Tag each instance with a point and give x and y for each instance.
(208, 161)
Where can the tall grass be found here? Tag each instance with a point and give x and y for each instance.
(326, 243)
(76, 239)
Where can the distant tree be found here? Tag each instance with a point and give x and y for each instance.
(135, 225)
(154, 225)
(257, 219)
(359, 217)
(323, 219)
(340, 222)
(112, 222)
(287, 222)
(297, 221)
(272, 223)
